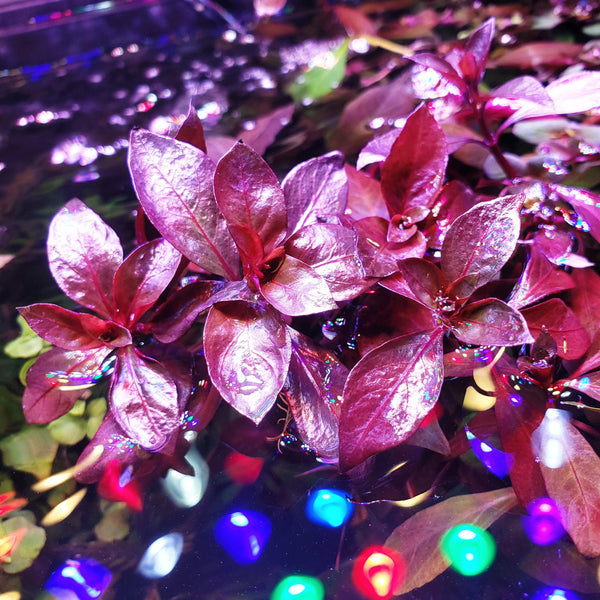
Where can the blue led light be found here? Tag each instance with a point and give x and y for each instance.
(83, 579)
(330, 508)
(243, 535)
(554, 594)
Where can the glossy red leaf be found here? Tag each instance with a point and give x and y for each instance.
(266, 128)
(481, 240)
(584, 299)
(413, 173)
(586, 205)
(538, 54)
(331, 251)
(539, 279)
(574, 487)
(142, 278)
(250, 197)
(84, 254)
(55, 380)
(315, 188)
(364, 196)
(424, 280)
(555, 317)
(174, 183)
(247, 349)
(478, 44)
(441, 65)
(591, 359)
(575, 92)
(377, 150)
(417, 540)
(490, 322)
(388, 393)
(144, 399)
(297, 289)
(191, 131)
(519, 410)
(313, 390)
(589, 384)
(73, 331)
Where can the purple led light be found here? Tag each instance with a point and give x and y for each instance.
(543, 526)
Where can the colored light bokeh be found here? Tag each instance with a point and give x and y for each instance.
(186, 491)
(469, 549)
(377, 572)
(298, 587)
(543, 526)
(554, 594)
(243, 535)
(496, 461)
(82, 579)
(161, 556)
(242, 469)
(330, 508)
(117, 487)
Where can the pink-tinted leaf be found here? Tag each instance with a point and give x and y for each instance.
(248, 352)
(73, 331)
(266, 128)
(315, 188)
(144, 399)
(481, 240)
(478, 44)
(174, 183)
(442, 66)
(182, 308)
(56, 379)
(462, 361)
(378, 149)
(364, 196)
(84, 254)
(555, 317)
(424, 280)
(331, 251)
(388, 393)
(379, 256)
(430, 436)
(297, 289)
(250, 197)
(538, 54)
(539, 279)
(589, 384)
(491, 322)
(413, 173)
(586, 205)
(417, 540)
(584, 299)
(591, 359)
(355, 21)
(574, 487)
(142, 277)
(576, 92)
(314, 388)
(520, 407)
(191, 131)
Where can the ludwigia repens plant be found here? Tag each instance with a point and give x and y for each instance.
(360, 298)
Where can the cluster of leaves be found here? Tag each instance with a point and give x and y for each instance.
(359, 295)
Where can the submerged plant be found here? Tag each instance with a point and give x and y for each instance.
(359, 297)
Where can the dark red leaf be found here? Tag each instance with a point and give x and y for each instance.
(84, 254)
(539, 279)
(191, 131)
(313, 389)
(388, 393)
(144, 399)
(297, 289)
(331, 250)
(73, 331)
(142, 278)
(174, 184)
(250, 197)
(584, 299)
(315, 188)
(490, 322)
(481, 240)
(478, 44)
(575, 93)
(463, 361)
(266, 128)
(555, 317)
(417, 540)
(538, 54)
(355, 21)
(574, 487)
(413, 173)
(519, 409)
(247, 349)
(591, 359)
(424, 280)
(56, 379)
(364, 196)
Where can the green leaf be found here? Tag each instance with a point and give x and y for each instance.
(31, 450)
(27, 551)
(68, 429)
(114, 525)
(28, 343)
(95, 411)
(11, 413)
(321, 77)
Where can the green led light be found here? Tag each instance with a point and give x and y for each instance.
(469, 549)
(298, 587)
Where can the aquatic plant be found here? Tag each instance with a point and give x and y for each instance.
(358, 297)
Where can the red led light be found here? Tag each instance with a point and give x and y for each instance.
(377, 572)
(242, 469)
(112, 488)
